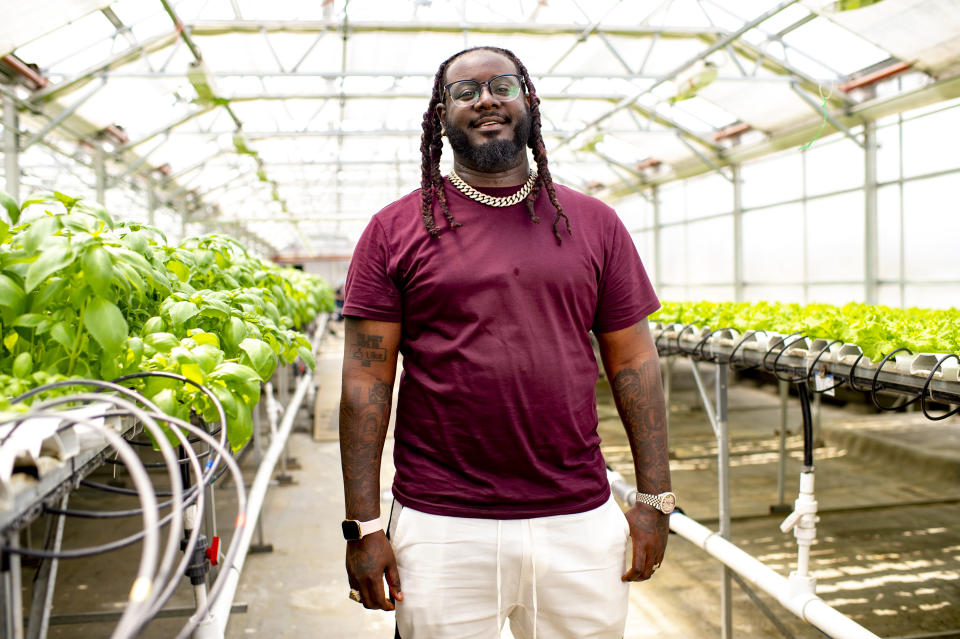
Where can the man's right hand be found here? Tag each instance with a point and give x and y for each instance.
(369, 561)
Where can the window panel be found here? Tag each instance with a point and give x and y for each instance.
(835, 238)
(888, 232)
(773, 179)
(930, 143)
(888, 153)
(784, 293)
(673, 205)
(834, 166)
(708, 195)
(932, 295)
(772, 245)
(710, 251)
(931, 229)
(673, 254)
(838, 294)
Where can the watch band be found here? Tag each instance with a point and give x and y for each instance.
(664, 502)
(354, 529)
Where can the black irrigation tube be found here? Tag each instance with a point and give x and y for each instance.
(805, 374)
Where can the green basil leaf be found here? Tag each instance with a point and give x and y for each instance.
(153, 325)
(104, 321)
(12, 295)
(10, 206)
(98, 269)
(64, 333)
(39, 230)
(29, 320)
(182, 311)
(163, 342)
(50, 261)
(259, 356)
(307, 357)
(23, 365)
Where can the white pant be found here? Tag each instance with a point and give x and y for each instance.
(553, 577)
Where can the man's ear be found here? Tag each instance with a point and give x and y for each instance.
(441, 111)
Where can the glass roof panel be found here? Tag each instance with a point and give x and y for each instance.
(340, 134)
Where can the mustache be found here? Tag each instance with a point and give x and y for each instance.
(506, 118)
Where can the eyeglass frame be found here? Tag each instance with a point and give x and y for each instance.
(523, 88)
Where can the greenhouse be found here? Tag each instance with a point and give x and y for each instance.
(231, 231)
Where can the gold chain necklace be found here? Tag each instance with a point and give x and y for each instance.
(491, 200)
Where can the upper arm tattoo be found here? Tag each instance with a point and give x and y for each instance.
(368, 348)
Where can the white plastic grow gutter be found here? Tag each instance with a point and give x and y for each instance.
(805, 605)
(214, 626)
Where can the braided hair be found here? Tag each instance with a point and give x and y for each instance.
(431, 146)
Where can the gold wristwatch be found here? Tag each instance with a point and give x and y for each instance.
(664, 502)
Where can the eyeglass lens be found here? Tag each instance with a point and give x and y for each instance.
(503, 87)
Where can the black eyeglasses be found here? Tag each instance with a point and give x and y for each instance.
(465, 93)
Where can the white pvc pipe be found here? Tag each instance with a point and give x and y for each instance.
(805, 605)
(214, 626)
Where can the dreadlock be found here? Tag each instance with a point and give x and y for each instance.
(431, 146)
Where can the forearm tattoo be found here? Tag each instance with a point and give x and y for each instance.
(364, 415)
(638, 393)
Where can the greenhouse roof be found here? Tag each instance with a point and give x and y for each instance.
(293, 121)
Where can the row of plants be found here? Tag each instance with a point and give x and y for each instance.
(877, 330)
(83, 295)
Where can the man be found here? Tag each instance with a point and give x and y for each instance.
(502, 507)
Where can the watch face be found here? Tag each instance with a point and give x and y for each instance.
(668, 501)
(351, 529)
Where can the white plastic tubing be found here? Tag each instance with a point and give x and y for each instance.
(216, 623)
(807, 606)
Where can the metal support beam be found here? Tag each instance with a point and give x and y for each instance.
(100, 173)
(703, 158)
(737, 233)
(11, 146)
(826, 113)
(151, 206)
(723, 462)
(46, 577)
(63, 115)
(871, 239)
(719, 44)
(657, 251)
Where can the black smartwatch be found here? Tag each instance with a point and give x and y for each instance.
(354, 529)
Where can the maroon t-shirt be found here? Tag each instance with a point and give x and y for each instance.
(497, 414)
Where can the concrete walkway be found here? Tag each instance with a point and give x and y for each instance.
(888, 552)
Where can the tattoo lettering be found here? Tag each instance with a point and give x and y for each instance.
(368, 349)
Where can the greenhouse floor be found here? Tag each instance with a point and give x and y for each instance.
(887, 554)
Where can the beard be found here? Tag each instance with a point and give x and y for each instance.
(493, 156)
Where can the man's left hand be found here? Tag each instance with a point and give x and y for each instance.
(648, 529)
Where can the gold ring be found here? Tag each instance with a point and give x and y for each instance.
(355, 595)
(655, 566)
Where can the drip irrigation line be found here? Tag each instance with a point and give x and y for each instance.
(782, 342)
(240, 522)
(169, 455)
(776, 360)
(95, 383)
(804, 394)
(203, 389)
(813, 367)
(874, 387)
(150, 549)
(926, 387)
(747, 335)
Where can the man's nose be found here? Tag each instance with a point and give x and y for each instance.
(486, 98)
